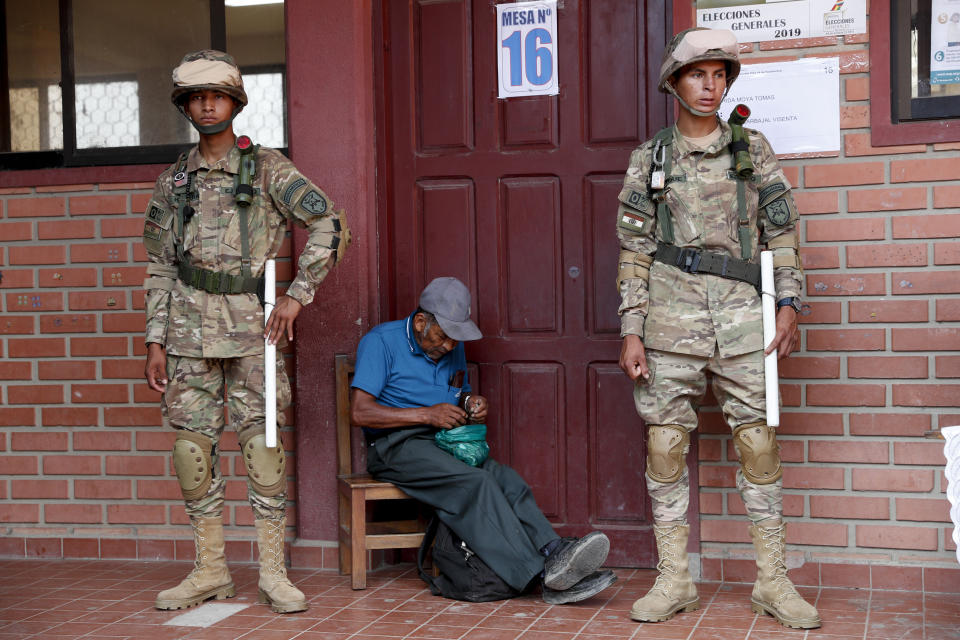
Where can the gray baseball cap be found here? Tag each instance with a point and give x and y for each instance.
(449, 300)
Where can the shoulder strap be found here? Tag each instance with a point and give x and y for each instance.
(182, 183)
(662, 143)
(743, 169)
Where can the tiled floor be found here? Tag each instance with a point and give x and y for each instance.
(56, 600)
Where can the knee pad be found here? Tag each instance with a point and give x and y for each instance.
(667, 446)
(266, 467)
(192, 462)
(756, 444)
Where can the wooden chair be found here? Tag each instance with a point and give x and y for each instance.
(355, 490)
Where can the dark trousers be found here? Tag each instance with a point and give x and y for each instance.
(490, 507)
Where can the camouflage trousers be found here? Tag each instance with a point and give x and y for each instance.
(672, 396)
(194, 400)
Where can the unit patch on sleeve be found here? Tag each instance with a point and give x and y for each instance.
(312, 202)
(778, 212)
(159, 217)
(292, 189)
(633, 221)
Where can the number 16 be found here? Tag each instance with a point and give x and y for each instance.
(539, 59)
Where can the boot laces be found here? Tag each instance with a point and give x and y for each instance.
(773, 540)
(275, 566)
(200, 541)
(667, 566)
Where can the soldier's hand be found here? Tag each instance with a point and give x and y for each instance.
(633, 358)
(785, 341)
(156, 367)
(281, 320)
(445, 415)
(477, 411)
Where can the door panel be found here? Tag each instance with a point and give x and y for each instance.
(517, 198)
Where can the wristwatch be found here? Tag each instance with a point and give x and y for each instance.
(791, 302)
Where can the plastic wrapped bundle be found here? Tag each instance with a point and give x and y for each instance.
(467, 443)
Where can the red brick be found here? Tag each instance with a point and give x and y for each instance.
(124, 323)
(139, 202)
(809, 477)
(888, 424)
(96, 300)
(868, 284)
(940, 339)
(64, 188)
(142, 394)
(798, 43)
(927, 226)
(39, 441)
(843, 174)
(155, 549)
(12, 547)
(810, 423)
(101, 441)
(845, 340)
(156, 441)
(893, 480)
(39, 489)
(81, 548)
(99, 393)
(110, 548)
(792, 505)
(16, 231)
(820, 257)
(887, 537)
(947, 366)
(15, 370)
(168, 489)
(924, 170)
(131, 416)
(887, 367)
(897, 199)
(17, 279)
(916, 283)
(136, 465)
(127, 276)
(846, 395)
(102, 489)
(846, 508)
(122, 227)
(37, 254)
(820, 312)
(724, 531)
(135, 514)
(929, 452)
(858, 144)
(18, 465)
(717, 476)
(69, 416)
(66, 230)
(98, 205)
(98, 347)
(115, 368)
(801, 367)
(857, 88)
(114, 252)
(887, 255)
(140, 254)
(44, 548)
(34, 301)
(948, 310)
(855, 116)
(138, 297)
(923, 509)
(35, 207)
(29, 513)
(17, 417)
(946, 196)
(71, 465)
(851, 61)
(887, 311)
(848, 229)
(926, 395)
(64, 278)
(68, 323)
(73, 513)
(946, 253)
(35, 394)
(941, 580)
(67, 370)
(836, 451)
(16, 325)
(896, 578)
(817, 202)
(711, 503)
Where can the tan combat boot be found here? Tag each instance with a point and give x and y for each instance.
(210, 577)
(275, 588)
(773, 592)
(674, 589)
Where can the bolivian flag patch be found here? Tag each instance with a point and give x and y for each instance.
(633, 221)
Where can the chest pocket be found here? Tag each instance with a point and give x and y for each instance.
(682, 199)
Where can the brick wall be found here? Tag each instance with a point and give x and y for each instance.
(85, 466)
(880, 358)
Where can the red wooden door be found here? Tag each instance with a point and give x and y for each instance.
(517, 198)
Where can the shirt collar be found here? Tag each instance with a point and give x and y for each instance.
(411, 341)
(684, 149)
(228, 164)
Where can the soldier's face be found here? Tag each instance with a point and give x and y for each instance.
(701, 85)
(432, 339)
(209, 107)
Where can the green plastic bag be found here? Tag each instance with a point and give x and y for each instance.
(467, 443)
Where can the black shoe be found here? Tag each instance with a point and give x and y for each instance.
(574, 559)
(586, 588)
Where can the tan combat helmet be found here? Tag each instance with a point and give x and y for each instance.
(208, 69)
(694, 45)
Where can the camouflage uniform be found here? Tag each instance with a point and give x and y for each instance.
(693, 323)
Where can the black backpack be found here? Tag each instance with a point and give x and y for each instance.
(463, 575)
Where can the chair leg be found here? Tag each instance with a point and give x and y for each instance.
(344, 533)
(358, 540)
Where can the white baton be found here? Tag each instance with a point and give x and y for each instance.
(768, 301)
(269, 355)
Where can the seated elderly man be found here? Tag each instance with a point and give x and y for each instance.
(410, 381)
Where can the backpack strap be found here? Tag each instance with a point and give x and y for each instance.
(422, 552)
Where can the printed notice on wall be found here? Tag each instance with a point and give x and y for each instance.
(796, 105)
(527, 49)
(761, 20)
(945, 42)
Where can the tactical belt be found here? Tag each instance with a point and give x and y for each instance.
(695, 261)
(218, 281)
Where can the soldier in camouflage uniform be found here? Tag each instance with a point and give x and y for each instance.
(691, 229)
(205, 320)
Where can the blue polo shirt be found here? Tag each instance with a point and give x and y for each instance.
(393, 368)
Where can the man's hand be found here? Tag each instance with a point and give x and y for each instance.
(156, 368)
(444, 415)
(633, 358)
(477, 408)
(281, 320)
(785, 341)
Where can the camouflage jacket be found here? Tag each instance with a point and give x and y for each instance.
(194, 323)
(699, 314)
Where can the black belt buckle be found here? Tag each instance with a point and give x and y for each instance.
(689, 260)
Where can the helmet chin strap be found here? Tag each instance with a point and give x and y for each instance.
(210, 129)
(699, 114)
